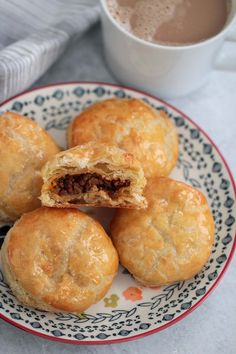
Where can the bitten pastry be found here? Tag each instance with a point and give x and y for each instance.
(58, 260)
(24, 148)
(93, 174)
(169, 241)
(133, 126)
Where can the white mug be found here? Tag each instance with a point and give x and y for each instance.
(163, 70)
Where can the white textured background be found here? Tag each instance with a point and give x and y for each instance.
(211, 328)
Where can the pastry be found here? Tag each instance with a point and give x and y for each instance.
(93, 174)
(169, 241)
(58, 260)
(132, 125)
(24, 148)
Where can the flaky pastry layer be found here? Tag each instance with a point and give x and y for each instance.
(93, 174)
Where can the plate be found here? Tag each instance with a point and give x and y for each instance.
(129, 311)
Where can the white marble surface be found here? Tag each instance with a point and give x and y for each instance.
(211, 328)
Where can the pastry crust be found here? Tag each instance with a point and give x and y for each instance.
(93, 174)
(133, 126)
(58, 260)
(24, 148)
(169, 241)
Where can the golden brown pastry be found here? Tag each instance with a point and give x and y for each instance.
(169, 241)
(133, 126)
(24, 148)
(58, 260)
(93, 174)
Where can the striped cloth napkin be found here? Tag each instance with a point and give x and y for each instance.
(34, 33)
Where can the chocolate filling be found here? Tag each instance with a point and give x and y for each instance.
(83, 183)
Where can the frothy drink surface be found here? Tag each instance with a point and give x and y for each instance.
(172, 22)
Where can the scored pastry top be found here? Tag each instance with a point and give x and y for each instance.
(169, 241)
(24, 149)
(58, 260)
(135, 127)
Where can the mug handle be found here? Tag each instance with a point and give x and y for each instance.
(227, 60)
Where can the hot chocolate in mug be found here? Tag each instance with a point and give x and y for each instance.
(164, 70)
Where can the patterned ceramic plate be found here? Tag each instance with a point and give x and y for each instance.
(130, 311)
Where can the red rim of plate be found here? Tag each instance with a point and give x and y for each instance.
(187, 312)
